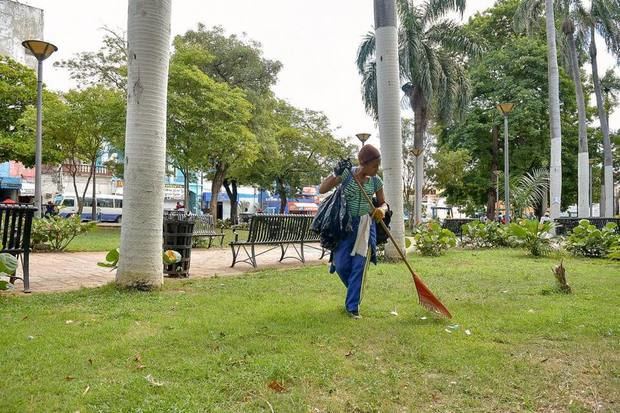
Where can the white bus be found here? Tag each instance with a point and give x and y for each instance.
(109, 207)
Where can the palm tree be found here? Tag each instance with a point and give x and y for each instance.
(431, 50)
(148, 35)
(527, 14)
(604, 19)
(388, 113)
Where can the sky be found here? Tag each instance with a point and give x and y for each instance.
(316, 41)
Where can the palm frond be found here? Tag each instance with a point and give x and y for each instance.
(453, 38)
(365, 52)
(369, 90)
(529, 189)
(529, 15)
(433, 10)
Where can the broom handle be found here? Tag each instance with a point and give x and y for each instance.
(385, 228)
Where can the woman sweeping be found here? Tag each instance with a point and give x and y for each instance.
(351, 254)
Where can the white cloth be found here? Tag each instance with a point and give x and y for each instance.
(363, 234)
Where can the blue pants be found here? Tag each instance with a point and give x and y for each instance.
(351, 269)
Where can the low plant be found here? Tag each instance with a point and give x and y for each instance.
(8, 266)
(532, 235)
(431, 239)
(589, 241)
(169, 257)
(56, 233)
(484, 234)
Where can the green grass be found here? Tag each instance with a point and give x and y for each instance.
(216, 345)
(106, 238)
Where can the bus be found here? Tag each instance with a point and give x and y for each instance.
(109, 207)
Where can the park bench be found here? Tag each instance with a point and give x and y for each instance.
(15, 230)
(565, 225)
(284, 231)
(456, 225)
(204, 227)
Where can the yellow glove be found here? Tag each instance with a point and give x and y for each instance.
(378, 214)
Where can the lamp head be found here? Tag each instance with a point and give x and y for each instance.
(39, 49)
(363, 137)
(505, 108)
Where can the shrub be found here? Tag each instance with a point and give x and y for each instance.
(55, 233)
(485, 235)
(8, 266)
(431, 239)
(589, 241)
(531, 235)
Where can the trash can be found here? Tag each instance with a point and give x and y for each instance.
(178, 229)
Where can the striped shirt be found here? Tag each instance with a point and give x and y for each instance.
(356, 202)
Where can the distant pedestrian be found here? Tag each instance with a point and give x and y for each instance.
(545, 218)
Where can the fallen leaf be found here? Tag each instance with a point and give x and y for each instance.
(447, 331)
(349, 353)
(138, 357)
(423, 318)
(276, 386)
(468, 332)
(69, 322)
(86, 390)
(30, 338)
(25, 318)
(90, 361)
(140, 367)
(152, 381)
(393, 312)
(69, 378)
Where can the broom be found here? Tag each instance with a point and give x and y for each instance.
(427, 298)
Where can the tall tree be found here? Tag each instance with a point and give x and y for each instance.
(148, 33)
(255, 76)
(208, 121)
(604, 19)
(431, 52)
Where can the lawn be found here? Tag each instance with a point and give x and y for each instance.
(104, 238)
(280, 341)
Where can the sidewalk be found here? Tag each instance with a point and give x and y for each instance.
(53, 272)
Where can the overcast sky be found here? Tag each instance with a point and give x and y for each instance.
(316, 40)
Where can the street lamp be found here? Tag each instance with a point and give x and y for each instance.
(363, 137)
(505, 109)
(40, 50)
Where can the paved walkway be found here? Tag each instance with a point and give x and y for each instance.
(50, 272)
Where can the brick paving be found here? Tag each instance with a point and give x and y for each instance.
(53, 272)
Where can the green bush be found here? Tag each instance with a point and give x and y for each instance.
(8, 266)
(485, 235)
(531, 235)
(55, 233)
(431, 239)
(589, 241)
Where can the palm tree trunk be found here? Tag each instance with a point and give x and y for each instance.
(555, 169)
(388, 97)
(583, 161)
(420, 116)
(148, 39)
(607, 193)
(185, 173)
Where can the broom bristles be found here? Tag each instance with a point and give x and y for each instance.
(428, 299)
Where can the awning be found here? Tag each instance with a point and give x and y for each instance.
(10, 182)
(302, 206)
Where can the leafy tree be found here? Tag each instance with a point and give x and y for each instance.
(107, 66)
(207, 120)
(305, 150)
(238, 62)
(513, 69)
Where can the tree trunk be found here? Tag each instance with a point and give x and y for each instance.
(148, 39)
(93, 211)
(281, 189)
(388, 99)
(583, 165)
(185, 173)
(420, 118)
(84, 193)
(216, 185)
(231, 191)
(555, 169)
(492, 191)
(607, 187)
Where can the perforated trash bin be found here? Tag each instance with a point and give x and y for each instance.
(178, 229)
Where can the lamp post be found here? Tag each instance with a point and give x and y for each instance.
(40, 50)
(505, 109)
(591, 162)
